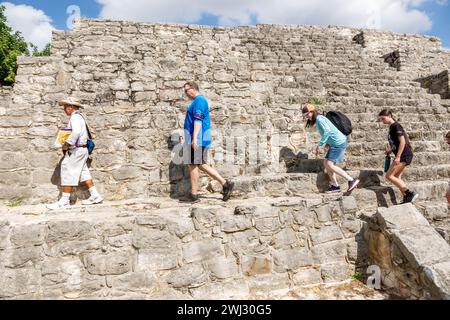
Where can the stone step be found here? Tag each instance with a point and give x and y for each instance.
(420, 159)
(414, 135)
(293, 184)
(438, 215)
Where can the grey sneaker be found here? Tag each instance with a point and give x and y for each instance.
(60, 205)
(92, 200)
(227, 190)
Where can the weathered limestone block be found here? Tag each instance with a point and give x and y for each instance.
(74, 247)
(307, 277)
(422, 246)
(59, 231)
(141, 281)
(349, 204)
(231, 224)
(202, 250)
(4, 233)
(222, 268)
(107, 264)
(127, 173)
(152, 238)
(268, 282)
(22, 257)
(254, 265)
(205, 217)
(400, 217)
(157, 259)
(291, 259)
(16, 282)
(323, 213)
(191, 275)
(12, 160)
(288, 237)
(28, 235)
(67, 272)
(227, 291)
(335, 251)
(267, 220)
(325, 234)
(335, 272)
(244, 210)
(304, 218)
(438, 279)
(350, 227)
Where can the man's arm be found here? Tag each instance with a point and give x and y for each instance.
(197, 128)
(77, 126)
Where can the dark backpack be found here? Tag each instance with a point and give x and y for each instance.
(340, 121)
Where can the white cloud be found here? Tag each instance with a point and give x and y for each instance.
(34, 24)
(394, 15)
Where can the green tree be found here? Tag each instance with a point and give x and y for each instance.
(44, 53)
(12, 45)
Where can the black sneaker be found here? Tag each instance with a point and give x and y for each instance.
(227, 190)
(410, 197)
(404, 200)
(190, 198)
(352, 185)
(333, 189)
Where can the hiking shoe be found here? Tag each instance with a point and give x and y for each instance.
(352, 185)
(190, 198)
(333, 189)
(410, 197)
(92, 200)
(227, 190)
(60, 205)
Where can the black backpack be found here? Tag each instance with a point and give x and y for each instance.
(340, 121)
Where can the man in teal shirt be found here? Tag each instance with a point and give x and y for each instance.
(197, 130)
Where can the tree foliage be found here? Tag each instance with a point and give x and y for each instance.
(13, 45)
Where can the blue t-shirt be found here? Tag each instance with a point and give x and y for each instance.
(198, 111)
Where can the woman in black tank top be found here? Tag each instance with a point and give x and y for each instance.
(400, 146)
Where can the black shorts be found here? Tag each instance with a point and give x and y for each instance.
(199, 156)
(407, 159)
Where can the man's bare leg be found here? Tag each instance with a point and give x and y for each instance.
(212, 173)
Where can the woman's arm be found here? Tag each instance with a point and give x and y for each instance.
(401, 148)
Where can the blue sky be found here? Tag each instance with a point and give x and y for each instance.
(431, 17)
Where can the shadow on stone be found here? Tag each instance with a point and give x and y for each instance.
(300, 163)
(79, 192)
(178, 173)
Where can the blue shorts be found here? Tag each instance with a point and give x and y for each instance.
(337, 154)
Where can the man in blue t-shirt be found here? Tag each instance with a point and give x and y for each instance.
(197, 131)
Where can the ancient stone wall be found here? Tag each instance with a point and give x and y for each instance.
(419, 56)
(259, 248)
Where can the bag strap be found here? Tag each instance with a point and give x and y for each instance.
(87, 127)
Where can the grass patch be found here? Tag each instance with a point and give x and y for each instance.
(357, 276)
(17, 202)
(317, 101)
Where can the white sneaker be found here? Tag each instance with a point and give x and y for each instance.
(92, 200)
(58, 205)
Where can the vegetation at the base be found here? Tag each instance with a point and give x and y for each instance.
(17, 202)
